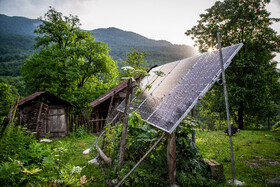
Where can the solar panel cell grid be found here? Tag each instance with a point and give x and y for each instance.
(173, 95)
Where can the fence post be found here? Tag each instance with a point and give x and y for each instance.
(125, 123)
(87, 118)
(171, 157)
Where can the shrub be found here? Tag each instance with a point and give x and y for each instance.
(24, 161)
(276, 126)
(191, 169)
(20, 156)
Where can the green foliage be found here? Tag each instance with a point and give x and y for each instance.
(14, 50)
(193, 170)
(20, 157)
(256, 153)
(17, 84)
(253, 82)
(140, 137)
(81, 131)
(69, 63)
(24, 161)
(276, 126)
(17, 39)
(135, 61)
(6, 99)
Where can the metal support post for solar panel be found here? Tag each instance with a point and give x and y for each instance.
(141, 160)
(227, 107)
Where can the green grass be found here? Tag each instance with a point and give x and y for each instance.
(77, 158)
(257, 157)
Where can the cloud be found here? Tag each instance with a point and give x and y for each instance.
(27, 8)
(277, 2)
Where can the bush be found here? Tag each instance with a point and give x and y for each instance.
(24, 161)
(276, 126)
(20, 156)
(153, 171)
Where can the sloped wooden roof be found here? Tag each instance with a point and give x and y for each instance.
(47, 95)
(117, 89)
(120, 87)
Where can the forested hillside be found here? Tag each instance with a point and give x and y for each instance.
(14, 50)
(17, 40)
(17, 25)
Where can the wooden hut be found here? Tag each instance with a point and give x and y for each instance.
(101, 105)
(45, 114)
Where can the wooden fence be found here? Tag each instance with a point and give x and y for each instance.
(82, 121)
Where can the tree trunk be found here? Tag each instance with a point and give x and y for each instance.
(240, 118)
(171, 158)
(125, 124)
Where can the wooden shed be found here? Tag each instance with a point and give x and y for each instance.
(101, 105)
(45, 114)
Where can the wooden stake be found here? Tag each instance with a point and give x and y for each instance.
(125, 124)
(110, 108)
(87, 118)
(171, 157)
(38, 119)
(15, 109)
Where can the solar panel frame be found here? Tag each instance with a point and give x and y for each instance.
(214, 72)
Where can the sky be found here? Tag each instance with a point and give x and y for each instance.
(154, 19)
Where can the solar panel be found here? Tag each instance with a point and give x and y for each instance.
(172, 96)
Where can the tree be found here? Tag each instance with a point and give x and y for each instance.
(252, 78)
(135, 60)
(135, 64)
(6, 99)
(69, 62)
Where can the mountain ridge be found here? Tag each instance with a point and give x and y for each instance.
(122, 34)
(17, 38)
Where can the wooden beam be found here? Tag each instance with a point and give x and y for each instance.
(106, 159)
(97, 120)
(87, 118)
(15, 109)
(125, 124)
(171, 157)
(38, 120)
(58, 114)
(110, 108)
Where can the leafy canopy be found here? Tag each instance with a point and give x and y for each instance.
(252, 78)
(6, 99)
(68, 62)
(135, 64)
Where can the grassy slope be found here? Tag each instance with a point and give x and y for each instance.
(257, 157)
(78, 145)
